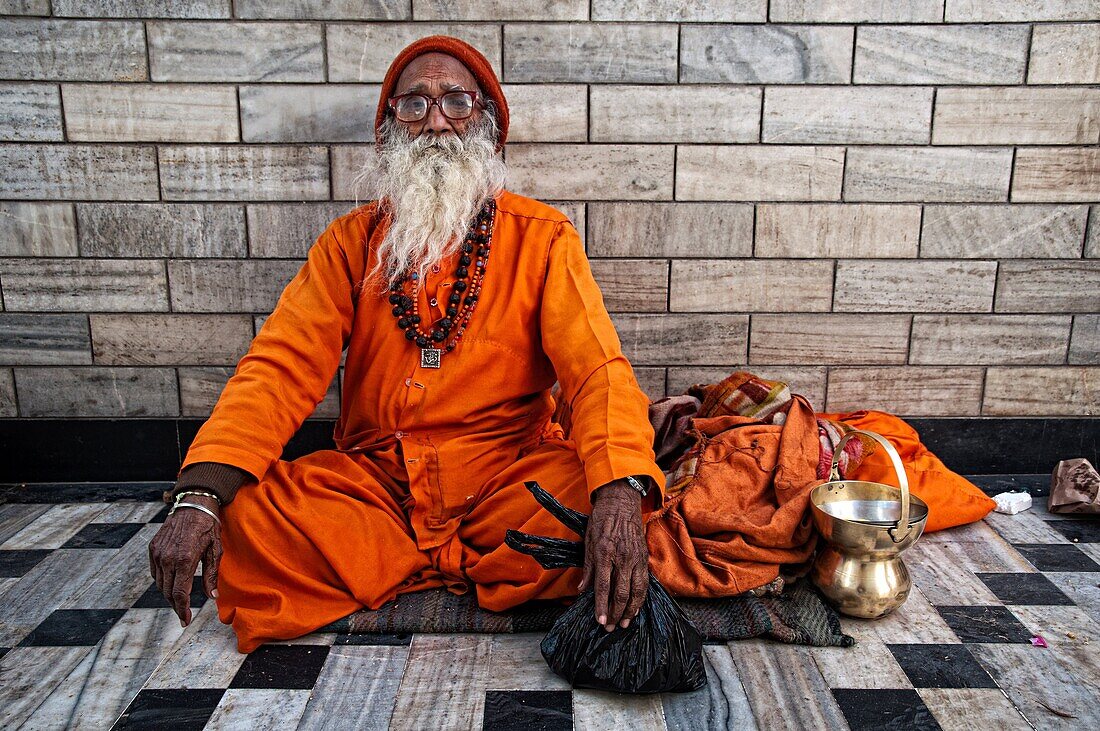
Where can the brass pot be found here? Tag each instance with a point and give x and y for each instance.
(864, 528)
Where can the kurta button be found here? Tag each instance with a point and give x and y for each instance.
(434, 302)
(408, 381)
(399, 433)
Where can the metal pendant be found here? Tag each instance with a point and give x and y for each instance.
(429, 357)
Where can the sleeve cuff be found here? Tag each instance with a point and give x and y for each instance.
(221, 479)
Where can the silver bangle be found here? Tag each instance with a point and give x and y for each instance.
(206, 510)
(198, 492)
(642, 490)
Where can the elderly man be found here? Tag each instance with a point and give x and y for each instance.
(446, 401)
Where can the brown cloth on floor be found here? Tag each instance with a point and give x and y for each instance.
(1074, 488)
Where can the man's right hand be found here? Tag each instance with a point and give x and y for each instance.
(187, 537)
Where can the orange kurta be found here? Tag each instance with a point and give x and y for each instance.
(428, 467)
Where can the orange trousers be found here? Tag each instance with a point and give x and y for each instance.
(325, 535)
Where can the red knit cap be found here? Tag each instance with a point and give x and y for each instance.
(470, 57)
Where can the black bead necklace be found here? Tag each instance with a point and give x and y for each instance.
(475, 250)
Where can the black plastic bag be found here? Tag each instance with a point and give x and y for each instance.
(661, 650)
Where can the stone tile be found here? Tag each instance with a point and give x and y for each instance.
(89, 172)
(41, 669)
(591, 172)
(547, 112)
(1004, 11)
(827, 230)
(183, 51)
(1064, 54)
(1092, 234)
(590, 53)
(170, 339)
(674, 339)
(632, 285)
(288, 230)
(1042, 392)
(30, 113)
(1057, 174)
(37, 229)
(84, 285)
(810, 382)
(989, 339)
(362, 52)
(784, 686)
(867, 664)
(855, 11)
(670, 229)
(464, 675)
(829, 114)
(250, 173)
(686, 11)
(1084, 345)
(759, 172)
(596, 709)
(992, 116)
(675, 114)
(200, 389)
(722, 704)
(1061, 689)
(142, 8)
(44, 339)
(308, 113)
(348, 164)
(323, 9)
(941, 54)
(769, 54)
(516, 663)
(357, 685)
(25, 7)
(229, 286)
(927, 174)
(1055, 285)
(865, 708)
(8, 407)
(500, 10)
(919, 391)
(81, 50)
(961, 709)
(94, 391)
(723, 285)
(1003, 231)
(816, 339)
(150, 112)
(914, 286)
(652, 381)
(176, 230)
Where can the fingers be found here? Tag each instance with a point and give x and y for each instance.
(603, 588)
(639, 585)
(210, 571)
(620, 596)
(182, 580)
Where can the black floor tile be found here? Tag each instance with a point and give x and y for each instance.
(3, 651)
(153, 599)
(103, 535)
(162, 515)
(281, 666)
(978, 624)
(82, 492)
(941, 666)
(1056, 557)
(1082, 531)
(17, 562)
(372, 639)
(528, 710)
(1020, 588)
(179, 710)
(889, 710)
(73, 628)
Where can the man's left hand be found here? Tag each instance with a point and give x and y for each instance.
(616, 555)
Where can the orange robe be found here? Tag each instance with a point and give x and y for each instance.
(429, 464)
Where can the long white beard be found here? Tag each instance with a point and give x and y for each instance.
(431, 187)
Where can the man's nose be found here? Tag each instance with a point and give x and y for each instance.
(436, 121)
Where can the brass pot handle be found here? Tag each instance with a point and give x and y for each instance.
(903, 479)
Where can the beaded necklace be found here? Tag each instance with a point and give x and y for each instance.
(405, 307)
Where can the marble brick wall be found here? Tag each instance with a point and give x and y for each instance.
(889, 204)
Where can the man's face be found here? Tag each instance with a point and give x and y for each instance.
(433, 75)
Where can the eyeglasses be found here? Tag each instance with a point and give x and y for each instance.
(453, 105)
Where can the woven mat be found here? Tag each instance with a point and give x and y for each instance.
(797, 616)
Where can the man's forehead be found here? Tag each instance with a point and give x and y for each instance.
(423, 70)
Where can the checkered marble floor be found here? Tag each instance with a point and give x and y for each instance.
(86, 641)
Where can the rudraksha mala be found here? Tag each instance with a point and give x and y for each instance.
(433, 344)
